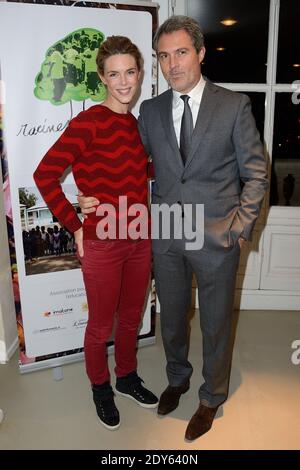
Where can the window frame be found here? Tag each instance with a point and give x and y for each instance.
(270, 88)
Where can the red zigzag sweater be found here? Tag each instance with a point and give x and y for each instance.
(108, 160)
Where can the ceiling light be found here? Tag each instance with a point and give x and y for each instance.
(296, 65)
(229, 22)
(221, 49)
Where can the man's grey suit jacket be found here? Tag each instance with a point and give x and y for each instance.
(225, 151)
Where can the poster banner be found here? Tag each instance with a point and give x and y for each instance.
(48, 75)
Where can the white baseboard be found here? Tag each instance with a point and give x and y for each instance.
(7, 353)
(263, 300)
(267, 300)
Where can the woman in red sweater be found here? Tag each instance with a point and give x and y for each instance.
(108, 160)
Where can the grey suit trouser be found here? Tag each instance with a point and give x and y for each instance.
(215, 272)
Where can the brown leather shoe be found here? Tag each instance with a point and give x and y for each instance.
(200, 422)
(169, 399)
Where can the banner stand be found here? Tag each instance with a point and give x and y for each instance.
(58, 362)
(56, 84)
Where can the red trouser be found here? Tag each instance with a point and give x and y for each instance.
(116, 275)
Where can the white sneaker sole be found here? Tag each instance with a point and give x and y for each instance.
(110, 428)
(144, 405)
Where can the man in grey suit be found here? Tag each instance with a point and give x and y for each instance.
(204, 166)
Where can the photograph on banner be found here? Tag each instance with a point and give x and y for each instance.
(47, 246)
(58, 81)
(69, 69)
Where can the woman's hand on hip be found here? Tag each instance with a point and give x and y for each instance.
(87, 204)
(79, 241)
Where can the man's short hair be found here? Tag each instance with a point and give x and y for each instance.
(177, 23)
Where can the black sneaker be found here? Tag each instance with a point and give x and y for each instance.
(107, 411)
(131, 386)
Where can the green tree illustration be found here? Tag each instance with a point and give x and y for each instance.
(27, 198)
(69, 70)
